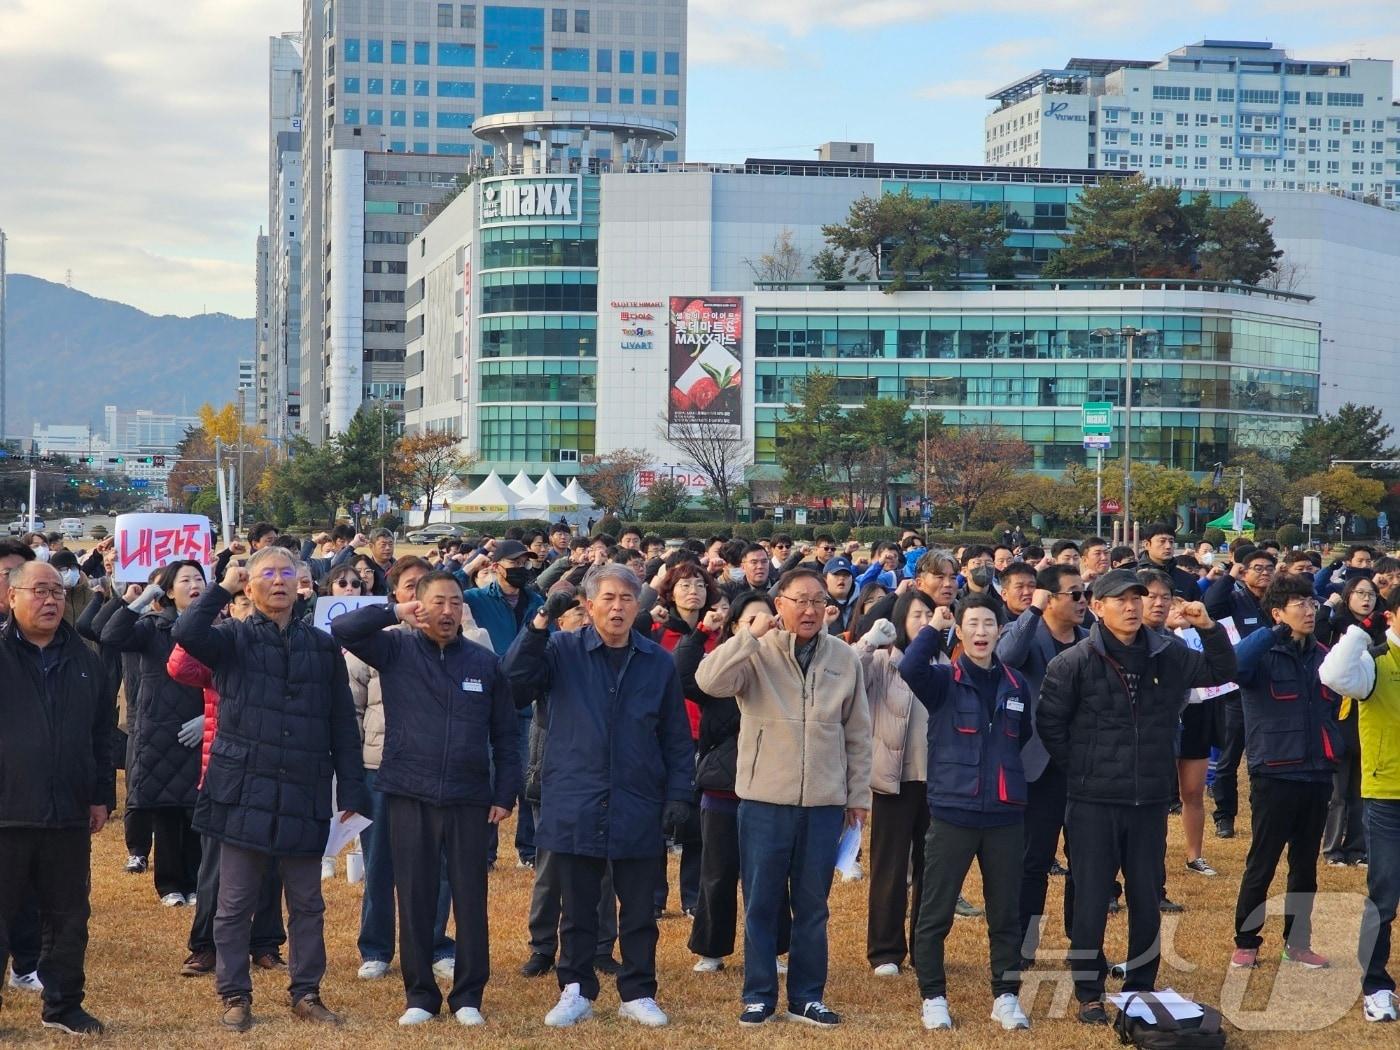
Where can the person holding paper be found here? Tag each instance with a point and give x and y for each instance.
(286, 724)
(977, 724)
(447, 708)
(803, 775)
(167, 719)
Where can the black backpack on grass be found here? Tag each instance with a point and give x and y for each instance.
(1165, 1032)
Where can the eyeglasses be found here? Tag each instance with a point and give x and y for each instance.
(1262, 570)
(782, 546)
(288, 573)
(805, 603)
(825, 547)
(350, 581)
(1075, 595)
(44, 594)
(1303, 603)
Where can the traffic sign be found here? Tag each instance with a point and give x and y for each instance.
(1111, 506)
(1098, 417)
(1097, 441)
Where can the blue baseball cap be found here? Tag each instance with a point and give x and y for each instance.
(841, 563)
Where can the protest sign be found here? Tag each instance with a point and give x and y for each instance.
(1193, 640)
(329, 607)
(144, 542)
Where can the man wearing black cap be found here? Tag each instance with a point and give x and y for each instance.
(1107, 715)
(841, 593)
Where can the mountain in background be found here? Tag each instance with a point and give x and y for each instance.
(70, 353)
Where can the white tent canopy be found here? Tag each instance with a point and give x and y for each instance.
(491, 498)
(581, 499)
(547, 499)
(522, 486)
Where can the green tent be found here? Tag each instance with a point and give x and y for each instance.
(1226, 523)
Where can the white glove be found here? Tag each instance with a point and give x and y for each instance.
(881, 634)
(192, 732)
(150, 594)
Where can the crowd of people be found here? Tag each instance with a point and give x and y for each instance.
(748, 704)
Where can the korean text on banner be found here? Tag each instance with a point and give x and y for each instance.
(145, 542)
(1193, 641)
(329, 607)
(706, 362)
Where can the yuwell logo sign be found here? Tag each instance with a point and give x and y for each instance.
(531, 200)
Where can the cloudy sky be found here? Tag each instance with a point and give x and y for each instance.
(133, 143)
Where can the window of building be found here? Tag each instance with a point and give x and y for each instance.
(514, 38)
(454, 120)
(350, 86)
(604, 60)
(648, 96)
(671, 63)
(626, 61)
(350, 115)
(351, 49)
(375, 50)
(569, 59)
(398, 118)
(421, 146)
(422, 53)
(374, 86)
(1134, 117)
(1291, 98)
(1334, 145)
(649, 63)
(374, 116)
(398, 51)
(444, 20)
(456, 89)
(625, 96)
(603, 96)
(509, 98)
(670, 97)
(456, 54)
(1345, 98)
(1158, 118)
(457, 149)
(559, 20)
(582, 20)
(1312, 98)
(467, 16)
(398, 86)
(568, 93)
(420, 88)
(1202, 94)
(420, 118)
(1224, 94)
(1172, 92)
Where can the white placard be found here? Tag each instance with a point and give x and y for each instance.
(145, 542)
(1193, 641)
(328, 607)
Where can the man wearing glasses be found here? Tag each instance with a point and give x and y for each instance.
(1051, 625)
(804, 774)
(59, 785)
(1236, 595)
(1293, 740)
(1107, 714)
(286, 722)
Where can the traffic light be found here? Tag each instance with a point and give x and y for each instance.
(89, 460)
(116, 459)
(148, 460)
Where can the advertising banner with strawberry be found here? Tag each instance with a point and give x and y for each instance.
(707, 355)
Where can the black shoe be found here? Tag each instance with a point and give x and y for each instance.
(1225, 829)
(815, 1013)
(76, 1021)
(1093, 1012)
(1174, 809)
(1114, 906)
(658, 913)
(1167, 906)
(607, 964)
(537, 965)
(756, 1014)
(1056, 868)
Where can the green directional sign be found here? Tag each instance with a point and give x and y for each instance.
(1098, 417)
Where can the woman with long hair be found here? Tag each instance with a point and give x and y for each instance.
(164, 753)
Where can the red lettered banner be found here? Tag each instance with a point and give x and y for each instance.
(149, 541)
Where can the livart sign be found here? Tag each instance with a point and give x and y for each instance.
(532, 200)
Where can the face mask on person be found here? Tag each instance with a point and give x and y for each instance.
(42, 553)
(1207, 559)
(982, 576)
(517, 576)
(736, 574)
(69, 578)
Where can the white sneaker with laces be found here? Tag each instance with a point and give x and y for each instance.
(571, 1008)
(469, 1017)
(708, 965)
(173, 900)
(415, 1015)
(373, 970)
(935, 1014)
(1007, 1012)
(445, 969)
(191, 899)
(855, 874)
(327, 868)
(1380, 1006)
(644, 1012)
(886, 970)
(26, 982)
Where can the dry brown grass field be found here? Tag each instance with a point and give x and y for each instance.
(137, 946)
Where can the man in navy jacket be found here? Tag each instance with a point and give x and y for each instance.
(618, 769)
(447, 706)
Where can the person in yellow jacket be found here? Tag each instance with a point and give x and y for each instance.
(1372, 677)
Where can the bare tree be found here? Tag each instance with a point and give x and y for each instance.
(784, 261)
(612, 479)
(966, 464)
(1288, 277)
(712, 450)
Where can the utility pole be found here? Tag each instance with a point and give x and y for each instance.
(4, 319)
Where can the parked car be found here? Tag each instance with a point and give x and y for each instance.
(20, 526)
(433, 533)
(72, 528)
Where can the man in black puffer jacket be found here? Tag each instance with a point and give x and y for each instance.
(1108, 714)
(286, 723)
(447, 708)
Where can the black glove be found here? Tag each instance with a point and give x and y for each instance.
(675, 816)
(558, 603)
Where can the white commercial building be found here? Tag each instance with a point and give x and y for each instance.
(553, 316)
(1215, 115)
(418, 80)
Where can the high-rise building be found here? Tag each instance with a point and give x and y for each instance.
(247, 391)
(468, 84)
(1215, 115)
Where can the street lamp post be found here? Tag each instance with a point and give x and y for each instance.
(923, 398)
(1129, 335)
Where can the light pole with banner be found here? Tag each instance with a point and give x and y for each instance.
(1129, 335)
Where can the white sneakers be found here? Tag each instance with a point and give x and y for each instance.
(469, 1017)
(373, 970)
(1378, 1006)
(1007, 1012)
(571, 1008)
(853, 874)
(935, 1014)
(415, 1015)
(445, 969)
(26, 982)
(327, 868)
(643, 1011)
(173, 900)
(708, 965)
(886, 970)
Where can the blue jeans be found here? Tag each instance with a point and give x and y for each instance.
(524, 814)
(377, 914)
(1383, 888)
(786, 850)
